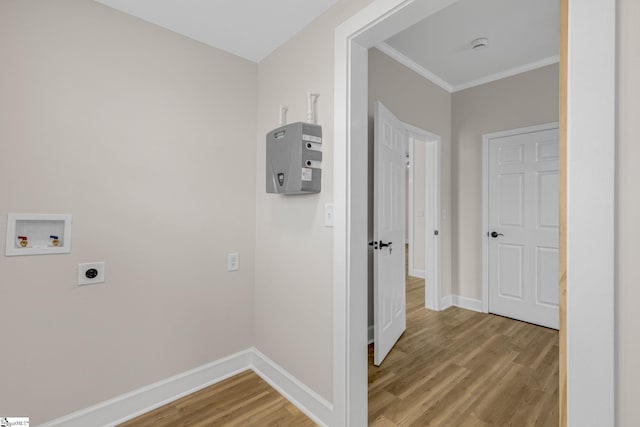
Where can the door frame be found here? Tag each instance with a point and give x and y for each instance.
(588, 116)
(410, 209)
(485, 197)
(432, 200)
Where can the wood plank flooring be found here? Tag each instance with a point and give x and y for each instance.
(454, 368)
(242, 400)
(461, 368)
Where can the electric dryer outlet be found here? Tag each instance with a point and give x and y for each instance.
(91, 273)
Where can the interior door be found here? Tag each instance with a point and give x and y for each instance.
(389, 299)
(523, 227)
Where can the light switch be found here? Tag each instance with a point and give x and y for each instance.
(328, 215)
(233, 261)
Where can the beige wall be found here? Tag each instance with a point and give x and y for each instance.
(418, 102)
(461, 119)
(293, 315)
(628, 214)
(148, 139)
(160, 129)
(522, 100)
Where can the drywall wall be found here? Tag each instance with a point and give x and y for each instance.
(293, 310)
(148, 139)
(418, 102)
(628, 212)
(522, 100)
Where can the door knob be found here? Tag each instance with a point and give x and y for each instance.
(384, 245)
(495, 234)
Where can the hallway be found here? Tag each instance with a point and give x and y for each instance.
(462, 368)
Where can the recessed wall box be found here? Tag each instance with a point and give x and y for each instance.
(294, 156)
(38, 234)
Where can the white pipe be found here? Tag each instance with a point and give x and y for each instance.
(311, 107)
(282, 119)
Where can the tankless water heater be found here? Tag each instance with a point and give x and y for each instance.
(294, 156)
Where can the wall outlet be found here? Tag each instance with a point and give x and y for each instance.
(233, 261)
(91, 273)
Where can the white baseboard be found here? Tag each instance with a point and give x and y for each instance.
(137, 402)
(370, 334)
(446, 302)
(467, 303)
(416, 272)
(309, 402)
(462, 302)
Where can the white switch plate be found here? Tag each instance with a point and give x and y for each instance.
(328, 215)
(86, 279)
(233, 261)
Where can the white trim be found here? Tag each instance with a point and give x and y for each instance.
(485, 198)
(433, 242)
(485, 223)
(591, 214)
(446, 302)
(410, 202)
(591, 143)
(466, 303)
(417, 272)
(508, 73)
(137, 402)
(414, 66)
(439, 81)
(454, 300)
(309, 402)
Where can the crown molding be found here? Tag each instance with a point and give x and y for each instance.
(412, 65)
(439, 81)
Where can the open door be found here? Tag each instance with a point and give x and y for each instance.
(389, 281)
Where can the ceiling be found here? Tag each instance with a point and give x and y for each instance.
(523, 34)
(248, 28)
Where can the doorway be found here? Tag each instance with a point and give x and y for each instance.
(421, 162)
(590, 306)
(424, 215)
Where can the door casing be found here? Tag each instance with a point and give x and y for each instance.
(587, 116)
(432, 215)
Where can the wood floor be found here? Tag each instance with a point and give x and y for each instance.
(461, 368)
(454, 368)
(243, 400)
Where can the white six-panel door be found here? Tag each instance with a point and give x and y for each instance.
(389, 300)
(523, 232)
